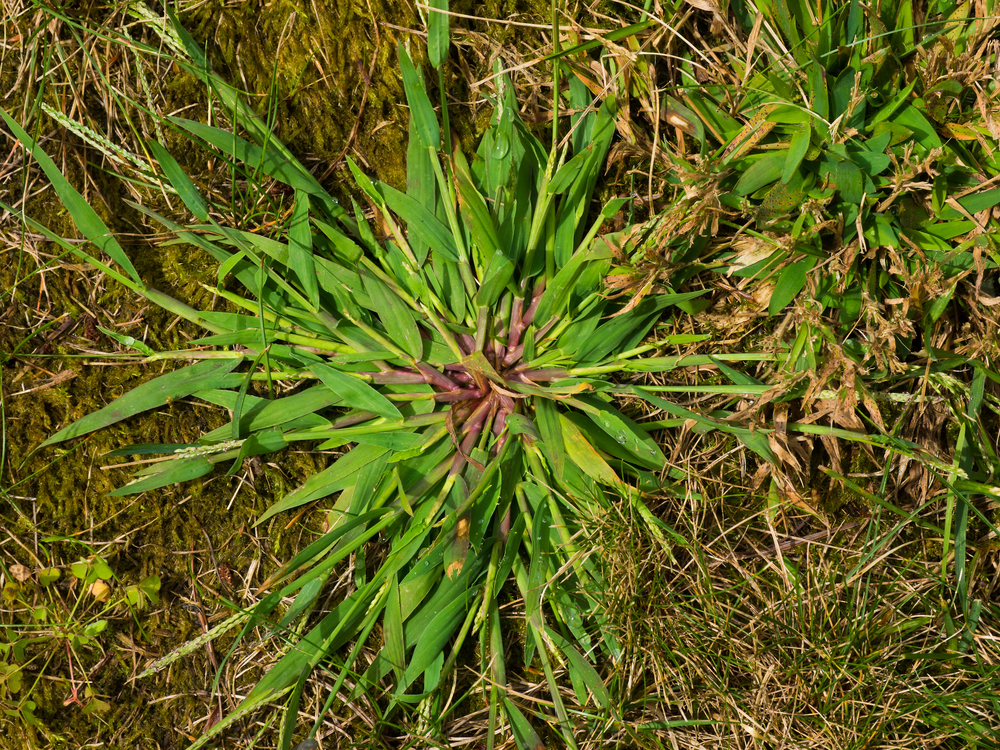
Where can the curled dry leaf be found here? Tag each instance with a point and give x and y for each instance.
(100, 590)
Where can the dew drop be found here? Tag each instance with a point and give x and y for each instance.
(501, 146)
(607, 423)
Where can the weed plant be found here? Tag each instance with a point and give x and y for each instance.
(56, 615)
(463, 370)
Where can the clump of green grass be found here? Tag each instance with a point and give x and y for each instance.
(465, 367)
(835, 165)
(831, 179)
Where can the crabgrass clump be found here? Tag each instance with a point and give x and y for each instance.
(463, 365)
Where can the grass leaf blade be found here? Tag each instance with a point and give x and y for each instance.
(85, 217)
(174, 385)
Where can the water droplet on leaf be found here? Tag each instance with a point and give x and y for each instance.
(501, 145)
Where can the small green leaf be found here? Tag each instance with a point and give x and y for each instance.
(48, 576)
(630, 436)
(980, 201)
(476, 214)
(892, 105)
(790, 283)
(547, 422)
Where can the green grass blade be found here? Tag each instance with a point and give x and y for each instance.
(428, 130)
(791, 281)
(420, 222)
(525, 737)
(336, 477)
(173, 472)
(181, 182)
(271, 161)
(85, 217)
(438, 38)
(395, 644)
(583, 454)
(172, 386)
(356, 393)
(634, 324)
(796, 152)
(395, 315)
(273, 413)
(300, 249)
(436, 634)
(626, 433)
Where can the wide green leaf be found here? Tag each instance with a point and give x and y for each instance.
(355, 392)
(790, 283)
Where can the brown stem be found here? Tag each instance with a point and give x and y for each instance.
(468, 343)
(398, 377)
(536, 297)
(513, 355)
(433, 377)
(476, 419)
(541, 376)
(459, 394)
(516, 329)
